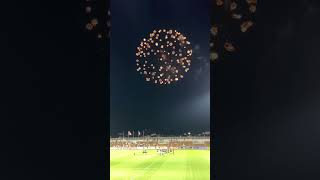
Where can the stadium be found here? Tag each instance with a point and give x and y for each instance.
(147, 157)
(160, 84)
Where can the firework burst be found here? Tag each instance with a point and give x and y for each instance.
(231, 18)
(98, 19)
(164, 56)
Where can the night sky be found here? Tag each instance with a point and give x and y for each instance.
(137, 104)
(266, 97)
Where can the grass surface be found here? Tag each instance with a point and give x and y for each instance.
(182, 165)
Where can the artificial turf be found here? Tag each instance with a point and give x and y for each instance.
(182, 165)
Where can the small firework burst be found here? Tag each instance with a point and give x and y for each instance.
(231, 18)
(164, 56)
(98, 19)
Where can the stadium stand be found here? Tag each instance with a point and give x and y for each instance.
(160, 142)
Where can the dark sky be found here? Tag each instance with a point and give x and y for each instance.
(137, 104)
(53, 93)
(266, 97)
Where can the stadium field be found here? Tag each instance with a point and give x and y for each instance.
(182, 165)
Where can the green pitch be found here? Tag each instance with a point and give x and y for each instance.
(182, 165)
